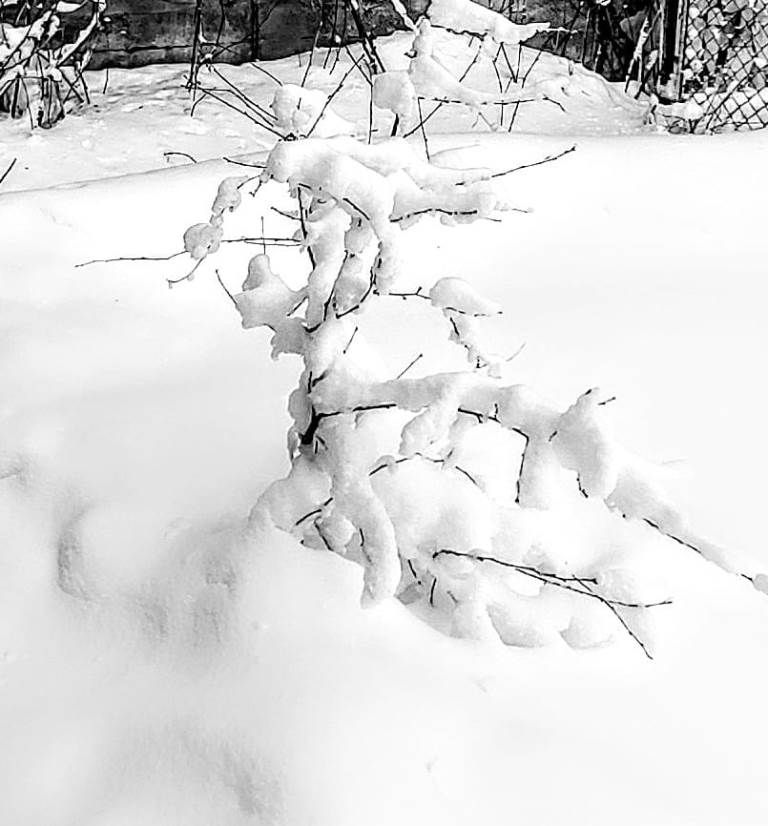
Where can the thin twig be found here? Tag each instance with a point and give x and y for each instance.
(349, 343)
(267, 73)
(549, 578)
(188, 277)
(359, 65)
(252, 104)
(423, 130)
(180, 154)
(548, 159)
(211, 93)
(408, 366)
(132, 258)
(612, 608)
(329, 99)
(226, 290)
(285, 214)
(517, 352)
(456, 213)
(243, 163)
(8, 170)
(311, 57)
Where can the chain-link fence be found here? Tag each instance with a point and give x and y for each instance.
(600, 35)
(709, 55)
(725, 63)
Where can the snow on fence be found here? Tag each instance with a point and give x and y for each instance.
(708, 56)
(723, 63)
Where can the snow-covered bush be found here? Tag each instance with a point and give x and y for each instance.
(300, 110)
(44, 48)
(463, 494)
(427, 78)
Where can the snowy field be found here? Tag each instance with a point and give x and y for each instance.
(190, 674)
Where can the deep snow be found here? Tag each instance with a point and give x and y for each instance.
(201, 676)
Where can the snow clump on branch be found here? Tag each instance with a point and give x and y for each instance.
(466, 16)
(300, 111)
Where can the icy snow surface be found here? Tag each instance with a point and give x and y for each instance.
(159, 667)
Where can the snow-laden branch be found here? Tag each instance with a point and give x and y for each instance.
(384, 470)
(468, 17)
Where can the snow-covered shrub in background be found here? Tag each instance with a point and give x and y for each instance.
(459, 493)
(428, 79)
(43, 54)
(300, 110)
(468, 17)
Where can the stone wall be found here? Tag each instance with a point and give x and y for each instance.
(138, 32)
(153, 31)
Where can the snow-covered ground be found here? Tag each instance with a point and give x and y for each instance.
(144, 113)
(200, 677)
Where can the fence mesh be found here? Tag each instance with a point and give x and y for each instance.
(725, 63)
(712, 53)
